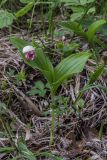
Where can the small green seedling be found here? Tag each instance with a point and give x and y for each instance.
(39, 89)
(21, 76)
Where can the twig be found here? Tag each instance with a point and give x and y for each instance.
(25, 100)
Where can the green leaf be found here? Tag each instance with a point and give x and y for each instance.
(39, 85)
(96, 74)
(84, 2)
(27, 1)
(69, 2)
(32, 92)
(37, 92)
(39, 89)
(49, 155)
(2, 108)
(6, 18)
(2, 2)
(77, 2)
(21, 76)
(41, 61)
(92, 10)
(89, 35)
(24, 10)
(93, 28)
(76, 16)
(100, 134)
(6, 149)
(69, 48)
(19, 43)
(74, 26)
(70, 65)
(25, 151)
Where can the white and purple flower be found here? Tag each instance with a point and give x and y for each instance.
(29, 52)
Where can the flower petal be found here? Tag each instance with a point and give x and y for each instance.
(28, 49)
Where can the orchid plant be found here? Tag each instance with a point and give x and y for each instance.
(34, 56)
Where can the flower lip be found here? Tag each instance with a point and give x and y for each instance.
(29, 52)
(27, 49)
(30, 55)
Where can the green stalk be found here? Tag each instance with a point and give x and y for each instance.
(52, 132)
(30, 25)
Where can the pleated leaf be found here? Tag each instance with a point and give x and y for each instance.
(93, 28)
(24, 10)
(96, 74)
(69, 66)
(41, 61)
(25, 152)
(75, 27)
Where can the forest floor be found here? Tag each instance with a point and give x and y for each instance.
(80, 136)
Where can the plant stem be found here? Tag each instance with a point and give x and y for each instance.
(52, 136)
(30, 25)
